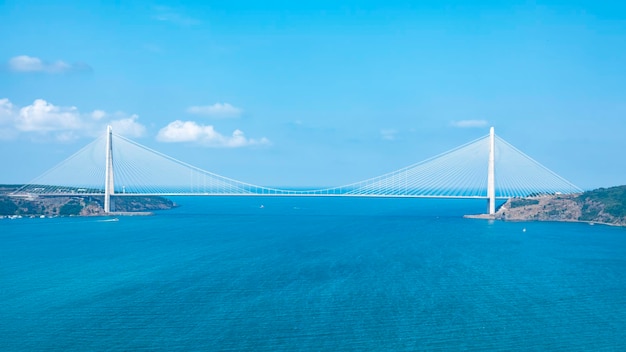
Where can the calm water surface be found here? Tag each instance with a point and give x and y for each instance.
(311, 274)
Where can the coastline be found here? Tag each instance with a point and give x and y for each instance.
(603, 206)
(93, 215)
(128, 213)
(33, 206)
(496, 218)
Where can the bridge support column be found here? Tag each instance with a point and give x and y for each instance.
(491, 176)
(108, 177)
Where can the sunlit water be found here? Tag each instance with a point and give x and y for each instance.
(311, 274)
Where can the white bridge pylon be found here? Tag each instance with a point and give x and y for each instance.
(486, 168)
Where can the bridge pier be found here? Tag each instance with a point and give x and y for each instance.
(108, 175)
(491, 174)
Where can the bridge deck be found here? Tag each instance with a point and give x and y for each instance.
(295, 194)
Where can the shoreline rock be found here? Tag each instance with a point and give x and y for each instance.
(606, 206)
(49, 206)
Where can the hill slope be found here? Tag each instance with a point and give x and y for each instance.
(603, 205)
(74, 205)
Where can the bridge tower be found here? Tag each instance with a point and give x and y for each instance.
(108, 177)
(491, 174)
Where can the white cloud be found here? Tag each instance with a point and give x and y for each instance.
(42, 118)
(128, 127)
(189, 131)
(224, 110)
(25, 63)
(388, 134)
(167, 14)
(6, 111)
(98, 114)
(469, 123)
(7, 117)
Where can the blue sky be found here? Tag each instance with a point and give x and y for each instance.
(315, 93)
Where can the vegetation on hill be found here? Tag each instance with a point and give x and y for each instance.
(522, 202)
(7, 207)
(74, 205)
(603, 205)
(611, 201)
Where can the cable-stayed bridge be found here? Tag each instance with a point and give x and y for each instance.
(486, 168)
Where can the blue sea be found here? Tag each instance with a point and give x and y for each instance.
(311, 274)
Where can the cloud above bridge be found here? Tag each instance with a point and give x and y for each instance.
(191, 132)
(30, 64)
(388, 134)
(45, 121)
(469, 123)
(174, 16)
(217, 110)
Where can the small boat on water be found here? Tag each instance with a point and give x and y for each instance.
(109, 220)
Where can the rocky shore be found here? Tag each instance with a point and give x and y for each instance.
(34, 206)
(602, 206)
